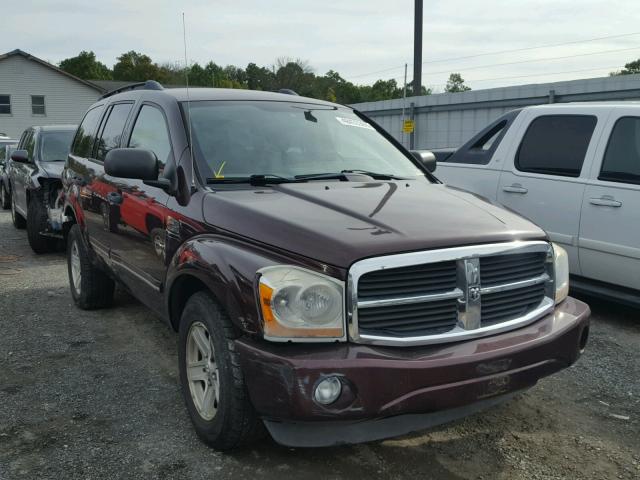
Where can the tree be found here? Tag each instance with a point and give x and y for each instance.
(259, 78)
(629, 69)
(85, 66)
(456, 84)
(136, 67)
(423, 90)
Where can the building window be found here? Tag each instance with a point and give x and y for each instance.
(37, 105)
(5, 104)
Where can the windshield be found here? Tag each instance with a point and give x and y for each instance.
(240, 139)
(55, 146)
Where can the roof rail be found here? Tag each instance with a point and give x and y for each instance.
(287, 91)
(148, 85)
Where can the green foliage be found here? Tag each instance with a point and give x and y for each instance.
(134, 67)
(291, 73)
(85, 66)
(629, 69)
(456, 84)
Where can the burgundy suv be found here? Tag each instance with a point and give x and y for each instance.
(323, 282)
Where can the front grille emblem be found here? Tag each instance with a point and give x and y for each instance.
(474, 294)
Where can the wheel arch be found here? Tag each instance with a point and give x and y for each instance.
(226, 269)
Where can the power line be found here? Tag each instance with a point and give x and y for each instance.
(541, 59)
(500, 52)
(520, 62)
(531, 75)
(551, 45)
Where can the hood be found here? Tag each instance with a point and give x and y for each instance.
(52, 169)
(341, 222)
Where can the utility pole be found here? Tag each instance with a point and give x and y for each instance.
(404, 104)
(417, 49)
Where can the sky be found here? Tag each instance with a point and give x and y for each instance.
(362, 40)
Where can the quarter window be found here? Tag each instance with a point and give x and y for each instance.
(112, 130)
(150, 132)
(37, 105)
(556, 145)
(5, 104)
(83, 141)
(621, 161)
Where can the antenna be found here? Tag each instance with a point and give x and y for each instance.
(186, 78)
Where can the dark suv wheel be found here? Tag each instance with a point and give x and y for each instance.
(37, 223)
(17, 219)
(90, 287)
(212, 381)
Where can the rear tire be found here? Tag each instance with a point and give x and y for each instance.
(5, 200)
(37, 222)
(18, 220)
(91, 287)
(230, 421)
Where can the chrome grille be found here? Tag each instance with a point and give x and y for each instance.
(498, 269)
(413, 280)
(426, 318)
(502, 306)
(449, 294)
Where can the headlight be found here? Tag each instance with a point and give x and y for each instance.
(561, 269)
(298, 303)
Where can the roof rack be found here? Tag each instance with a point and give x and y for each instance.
(287, 91)
(148, 85)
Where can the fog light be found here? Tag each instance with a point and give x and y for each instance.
(328, 390)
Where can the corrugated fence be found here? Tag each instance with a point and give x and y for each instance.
(449, 119)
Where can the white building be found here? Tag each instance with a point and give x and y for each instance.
(34, 92)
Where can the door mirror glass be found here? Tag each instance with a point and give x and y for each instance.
(135, 163)
(20, 156)
(426, 158)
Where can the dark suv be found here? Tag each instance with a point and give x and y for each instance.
(7, 146)
(35, 186)
(323, 283)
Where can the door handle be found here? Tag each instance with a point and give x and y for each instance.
(605, 201)
(515, 188)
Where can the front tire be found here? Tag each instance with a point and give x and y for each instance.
(4, 197)
(37, 222)
(212, 382)
(18, 220)
(91, 288)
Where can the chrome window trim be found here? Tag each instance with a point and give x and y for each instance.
(468, 326)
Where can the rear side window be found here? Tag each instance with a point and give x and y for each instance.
(621, 161)
(112, 130)
(151, 133)
(83, 141)
(556, 145)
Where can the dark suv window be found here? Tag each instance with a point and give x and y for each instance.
(556, 145)
(112, 130)
(30, 143)
(621, 161)
(83, 142)
(150, 132)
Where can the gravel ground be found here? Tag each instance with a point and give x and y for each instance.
(96, 395)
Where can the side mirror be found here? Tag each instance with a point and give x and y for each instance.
(426, 158)
(20, 156)
(133, 163)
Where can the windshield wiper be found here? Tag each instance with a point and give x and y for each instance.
(255, 180)
(342, 175)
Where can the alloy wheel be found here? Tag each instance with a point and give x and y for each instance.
(76, 272)
(202, 371)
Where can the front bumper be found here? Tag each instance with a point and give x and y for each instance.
(382, 382)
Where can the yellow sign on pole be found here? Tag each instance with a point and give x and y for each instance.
(408, 126)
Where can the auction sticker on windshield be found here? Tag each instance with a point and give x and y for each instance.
(354, 122)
